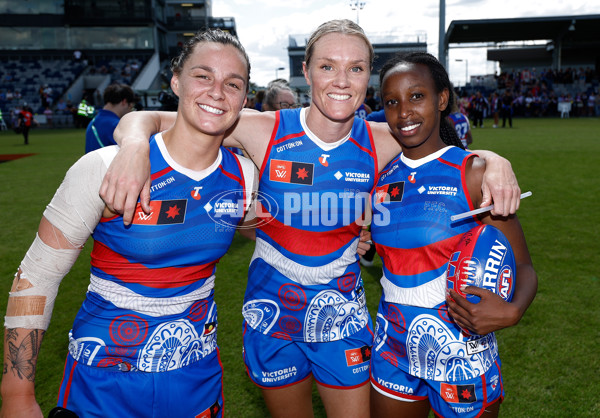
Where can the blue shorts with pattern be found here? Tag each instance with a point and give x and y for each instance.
(275, 363)
(195, 390)
(467, 398)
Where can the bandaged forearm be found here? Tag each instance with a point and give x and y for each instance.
(35, 286)
(74, 212)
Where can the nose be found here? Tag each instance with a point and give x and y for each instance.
(341, 79)
(404, 109)
(216, 91)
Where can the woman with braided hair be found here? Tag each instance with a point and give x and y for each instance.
(420, 359)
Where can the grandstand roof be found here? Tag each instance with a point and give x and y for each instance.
(586, 29)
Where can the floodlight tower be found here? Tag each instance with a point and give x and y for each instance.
(358, 6)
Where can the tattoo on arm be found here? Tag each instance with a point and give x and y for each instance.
(23, 359)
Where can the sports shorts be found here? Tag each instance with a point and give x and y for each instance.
(195, 390)
(274, 363)
(466, 398)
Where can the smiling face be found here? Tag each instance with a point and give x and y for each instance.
(338, 75)
(412, 108)
(211, 87)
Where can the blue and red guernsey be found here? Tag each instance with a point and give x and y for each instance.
(304, 279)
(413, 234)
(150, 303)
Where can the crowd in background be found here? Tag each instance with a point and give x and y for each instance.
(527, 93)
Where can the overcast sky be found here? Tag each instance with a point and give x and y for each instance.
(264, 25)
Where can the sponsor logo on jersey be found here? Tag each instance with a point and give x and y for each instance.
(162, 212)
(458, 393)
(291, 172)
(323, 160)
(289, 145)
(392, 192)
(211, 412)
(356, 356)
(353, 176)
(389, 172)
(477, 345)
(196, 193)
(411, 178)
(161, 184)
(442, 190)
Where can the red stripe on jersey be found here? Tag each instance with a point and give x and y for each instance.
(462, 169)
(302, 242)
(270, 144)
(241, 181)
(288, 137)
(412, 261)
(161, 173)
(368, 151)
(373, 154)
(441, 160)
(233, 176)
(160, 278)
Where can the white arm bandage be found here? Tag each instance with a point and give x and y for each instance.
(34, 289)
(75, 210)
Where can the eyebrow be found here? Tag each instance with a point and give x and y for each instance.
(359, 61)
(212, 70)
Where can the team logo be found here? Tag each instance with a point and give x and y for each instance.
(393, 192)
(162, 212)
(356, 356)
(411, 178)
(291, 172)
(458, 393)
(323, 160)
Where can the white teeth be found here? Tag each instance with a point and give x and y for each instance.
(211, 109)
(411, 127)
(339, 96)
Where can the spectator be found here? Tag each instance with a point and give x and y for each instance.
(48, 113)
(119, 100)
(61, 107)
(279, 96)
(478, 107)
(507, 108)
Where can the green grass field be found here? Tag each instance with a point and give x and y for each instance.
(551, 360)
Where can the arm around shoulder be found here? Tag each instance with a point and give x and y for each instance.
(499, 185)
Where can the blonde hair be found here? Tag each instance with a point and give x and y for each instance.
(342, 26)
